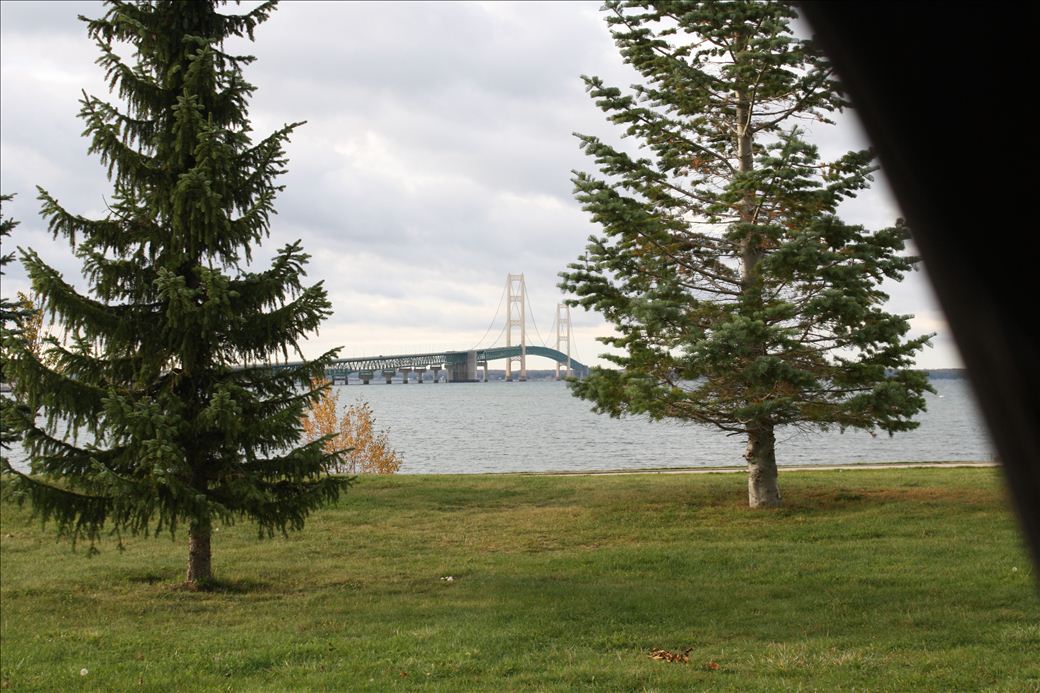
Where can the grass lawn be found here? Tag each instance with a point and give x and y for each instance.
(907, 580)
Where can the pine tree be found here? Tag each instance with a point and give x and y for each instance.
(739, 298)
(159, 364)
(11, 314)
(10, 311)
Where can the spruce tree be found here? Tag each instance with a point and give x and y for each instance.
(159, 364)
(739, 298)
(10, 316)
(10, 313)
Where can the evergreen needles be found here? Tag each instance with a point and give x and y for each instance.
(740, 299)
(162, 361)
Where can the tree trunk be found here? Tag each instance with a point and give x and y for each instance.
(200, 560)
(750, 250)
(763, 488)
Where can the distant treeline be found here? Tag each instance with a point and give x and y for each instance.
(499, 374)
(946, 373)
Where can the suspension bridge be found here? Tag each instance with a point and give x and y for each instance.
(471, 365)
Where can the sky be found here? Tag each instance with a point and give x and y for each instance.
(437, 157)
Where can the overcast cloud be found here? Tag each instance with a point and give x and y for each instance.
(436, 157)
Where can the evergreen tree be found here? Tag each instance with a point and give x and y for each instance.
(10, 316)
(155, 364)
(739, 298)
(10, 312)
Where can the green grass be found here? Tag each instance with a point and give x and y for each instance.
(911, 579)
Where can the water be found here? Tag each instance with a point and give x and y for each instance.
(539, 426)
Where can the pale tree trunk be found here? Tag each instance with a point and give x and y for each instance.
(200, 560)
(750, 252)
(762, 486)
(763, 490)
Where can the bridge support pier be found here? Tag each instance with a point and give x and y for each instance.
(436, 372)
(464, 371)
(404, 375)
(388, 375)
(418, 375)
(365, 376)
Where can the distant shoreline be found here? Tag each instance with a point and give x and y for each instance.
(540, 374)
(535, 375)
(743, 468)
(946, 373)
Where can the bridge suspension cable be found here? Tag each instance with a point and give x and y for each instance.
(492, 323)
(462, 365)
(499, 337)
(573, 346)
(577, 356)
(533, 321)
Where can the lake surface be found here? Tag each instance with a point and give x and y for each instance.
(539, 426)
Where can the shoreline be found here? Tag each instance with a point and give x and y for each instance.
(780, 468)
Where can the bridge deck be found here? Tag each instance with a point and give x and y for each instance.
(340, 368)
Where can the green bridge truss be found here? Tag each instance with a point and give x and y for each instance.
(340, 368)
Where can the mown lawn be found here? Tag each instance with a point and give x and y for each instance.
(908, 580)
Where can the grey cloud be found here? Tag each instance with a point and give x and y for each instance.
(417, 49)
(38, 19)
(437, 155)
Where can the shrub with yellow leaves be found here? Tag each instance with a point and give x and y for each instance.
(31, 324)
(367, 452)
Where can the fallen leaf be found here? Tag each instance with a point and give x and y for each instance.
(669, 656)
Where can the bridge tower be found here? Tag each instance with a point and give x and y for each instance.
(563, 336)
(515, 317)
